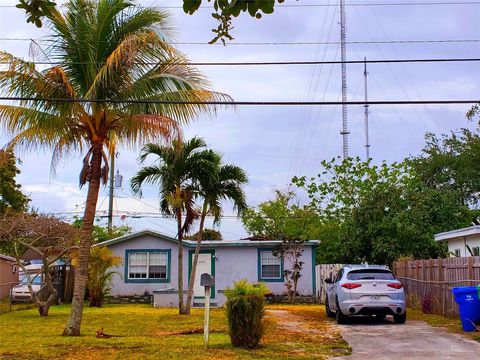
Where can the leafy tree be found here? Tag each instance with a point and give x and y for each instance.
(380, 213)
(223, 183)
(11, 197)
(280, 219)
(50, 238)
(100, 275)
(118, 53)
(177, 172)
(207, 234)
(101, 233)
(36, 10)
(452, 162)
(224, 10)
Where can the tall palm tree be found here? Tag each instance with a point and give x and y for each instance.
(225, 183)
(116, 52)
(177, 173)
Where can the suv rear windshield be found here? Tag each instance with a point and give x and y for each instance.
(370, 274)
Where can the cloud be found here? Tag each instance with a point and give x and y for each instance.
(274, 143)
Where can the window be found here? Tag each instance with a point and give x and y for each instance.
(270, 266)
(147, 265)
(457, 252)
(476, 251)
(370, 274)
(339, 275)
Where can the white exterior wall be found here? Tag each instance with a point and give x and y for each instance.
(461, 244)
(232, 263)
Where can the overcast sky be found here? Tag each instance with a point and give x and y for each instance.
(275, 143)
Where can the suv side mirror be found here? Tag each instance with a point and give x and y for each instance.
(328, 280)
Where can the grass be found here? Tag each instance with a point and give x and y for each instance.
(450, 324)
(5, 306)
(145, 332)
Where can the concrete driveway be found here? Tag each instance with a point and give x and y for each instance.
(373, 339)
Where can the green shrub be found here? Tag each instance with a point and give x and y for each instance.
(245, 310)
(99, 275)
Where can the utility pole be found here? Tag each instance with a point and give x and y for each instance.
(367, 140)
(344, 131)
(110, 195)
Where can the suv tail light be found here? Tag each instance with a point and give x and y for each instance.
(351, 286)
(395, 285)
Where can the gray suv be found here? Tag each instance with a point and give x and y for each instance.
(365, 290)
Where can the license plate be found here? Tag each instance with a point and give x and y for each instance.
(376, 297)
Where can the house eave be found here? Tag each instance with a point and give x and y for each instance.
(204, 244)
(458, 233)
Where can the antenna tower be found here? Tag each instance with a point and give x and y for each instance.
(344, 131)
(367, 140)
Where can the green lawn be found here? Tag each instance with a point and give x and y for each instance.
(146, 333)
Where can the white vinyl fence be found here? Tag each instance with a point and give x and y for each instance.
(323, 271)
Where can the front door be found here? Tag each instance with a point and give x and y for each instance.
(205, 265)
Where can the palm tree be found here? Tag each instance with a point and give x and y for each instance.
(223, 184)
(177, 174)
(113, 51)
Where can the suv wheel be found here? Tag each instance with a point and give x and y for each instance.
(341, 318)
(400, 319)
(329, 312)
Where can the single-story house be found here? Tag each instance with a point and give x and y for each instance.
(460, 240)
(150, 263)
(8, 274)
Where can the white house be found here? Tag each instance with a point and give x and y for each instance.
(461, 240)
(150, 263)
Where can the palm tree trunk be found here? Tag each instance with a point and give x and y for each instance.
(181, 309)
(81, 274)
(195, 260)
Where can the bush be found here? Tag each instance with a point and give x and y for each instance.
(101, 259)
(427, 303)
(245, 310)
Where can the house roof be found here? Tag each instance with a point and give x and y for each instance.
(192, 243)
(8, 258)
(468, 231)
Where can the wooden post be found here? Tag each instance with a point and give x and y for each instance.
(206, 319)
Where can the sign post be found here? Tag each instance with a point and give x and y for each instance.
(207, 281)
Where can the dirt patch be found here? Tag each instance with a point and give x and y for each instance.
(305, 330)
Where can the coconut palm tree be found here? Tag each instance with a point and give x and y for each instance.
(178, 171)
(223, 184)
(111, 55)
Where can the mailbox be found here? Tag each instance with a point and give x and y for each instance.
(207, 280)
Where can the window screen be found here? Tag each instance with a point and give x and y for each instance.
(137, 265)
(476, 251)
(147, 265)
(158, 266)
(270, 266)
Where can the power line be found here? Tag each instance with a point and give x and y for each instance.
(429, 41)
(409, 3)
(243, 103)
(271, 63)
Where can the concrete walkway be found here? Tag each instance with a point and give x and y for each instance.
(373, 339)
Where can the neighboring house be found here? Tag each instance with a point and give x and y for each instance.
(150, 265)
(8, 274)
(460, 240)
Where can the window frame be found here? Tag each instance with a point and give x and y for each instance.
(457, 251)
(268, 279)
(476, 249)
(127, 279)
